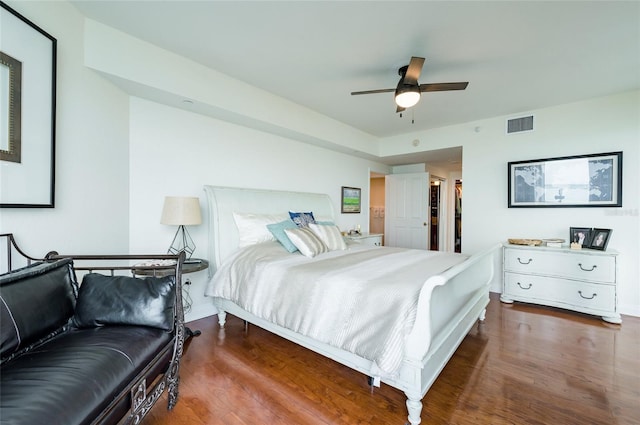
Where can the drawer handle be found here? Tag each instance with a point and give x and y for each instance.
(587, 298)
(528, 261)
(522, 287)
(587, 270)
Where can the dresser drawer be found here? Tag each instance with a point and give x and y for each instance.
(565, 293)
(571, 265)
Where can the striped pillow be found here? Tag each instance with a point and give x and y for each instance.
(330, 235)
(306, 242)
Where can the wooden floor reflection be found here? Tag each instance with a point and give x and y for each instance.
(524, 365)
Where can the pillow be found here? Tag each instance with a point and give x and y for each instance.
(123, 300)
(252, 228)
(277, 230)
(308, 243)
(302, 219)
(330, 235)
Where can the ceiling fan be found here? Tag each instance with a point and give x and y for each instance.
(407, 93)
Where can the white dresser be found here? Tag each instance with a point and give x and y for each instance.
(580, 280)
(373, 239)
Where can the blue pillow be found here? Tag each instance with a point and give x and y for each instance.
(277, 230)
(302, 219)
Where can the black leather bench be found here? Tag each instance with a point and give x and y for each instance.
(100, 352)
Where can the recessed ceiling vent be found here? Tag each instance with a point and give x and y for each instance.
(518, 125)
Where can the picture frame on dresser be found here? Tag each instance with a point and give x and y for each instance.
(600, 239)
(580, 235)
(590, 180)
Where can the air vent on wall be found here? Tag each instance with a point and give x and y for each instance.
(518, 125)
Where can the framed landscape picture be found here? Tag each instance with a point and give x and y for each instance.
(593, 180)
(351, 199)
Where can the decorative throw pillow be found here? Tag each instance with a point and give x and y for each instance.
(330, 235)
(302, 219)
(252, 228)
(277, 229)
(124, 300)
(308, 243)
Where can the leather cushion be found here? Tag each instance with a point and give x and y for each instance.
(35, 302)
(73, 377)
(123, 300)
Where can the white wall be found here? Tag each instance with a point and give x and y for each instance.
(111, 178)
(118, 156)
(174, 152)
(92, 179)
(597, 125)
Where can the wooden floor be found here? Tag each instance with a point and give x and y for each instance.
(523, 365)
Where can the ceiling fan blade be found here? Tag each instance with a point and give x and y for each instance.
(414, 70)
(443, 86)
(353, 93)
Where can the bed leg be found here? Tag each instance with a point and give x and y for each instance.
(414, 407)
(222, 318)
(483, 315)
(373, 381)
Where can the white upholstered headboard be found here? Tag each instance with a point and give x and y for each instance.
(224, 201)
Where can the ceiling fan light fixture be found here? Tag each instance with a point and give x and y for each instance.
(407, 96)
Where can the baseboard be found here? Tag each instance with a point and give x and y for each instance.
(629, 310)
(199, 311)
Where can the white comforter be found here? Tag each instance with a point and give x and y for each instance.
(362, 300)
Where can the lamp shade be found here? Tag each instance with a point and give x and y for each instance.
(407, 96)
(181, 211)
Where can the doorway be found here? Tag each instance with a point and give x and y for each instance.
(435, 213)
(376, 204)
(443, 166)
(458, 217)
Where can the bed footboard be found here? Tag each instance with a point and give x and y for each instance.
(449, 305)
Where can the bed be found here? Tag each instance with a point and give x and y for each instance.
(448, 292)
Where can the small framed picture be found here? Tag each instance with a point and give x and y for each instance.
(600, 239)
(350, 200)
(580, 235)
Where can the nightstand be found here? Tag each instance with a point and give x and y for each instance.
(191, 265)
(372, 239)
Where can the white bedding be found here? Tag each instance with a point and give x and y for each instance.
(362, 300)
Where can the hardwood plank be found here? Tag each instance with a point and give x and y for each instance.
(524, 365)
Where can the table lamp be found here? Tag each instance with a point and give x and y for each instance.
(181, 211)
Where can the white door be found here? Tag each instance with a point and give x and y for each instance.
(407, 210)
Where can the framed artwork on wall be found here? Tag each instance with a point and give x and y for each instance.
(351, 199)
(593, 180)
(27, 112)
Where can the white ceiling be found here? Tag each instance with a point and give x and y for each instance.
(516, 55)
